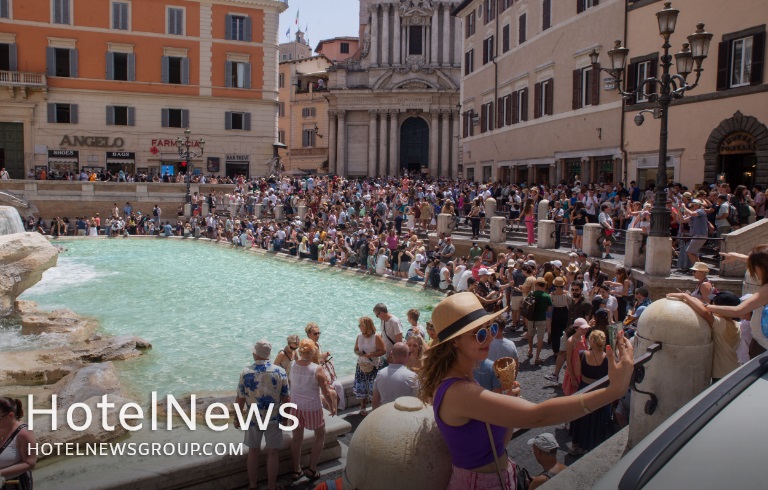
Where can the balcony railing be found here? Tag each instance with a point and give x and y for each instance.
(20, 79)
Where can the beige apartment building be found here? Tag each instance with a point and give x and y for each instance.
(717, 131)
(303, 114)
(394, 104)
(298, 49)
(112, 84)
(534, 108)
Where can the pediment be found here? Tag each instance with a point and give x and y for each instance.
(416, 8)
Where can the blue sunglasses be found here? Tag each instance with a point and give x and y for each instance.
(482, 334)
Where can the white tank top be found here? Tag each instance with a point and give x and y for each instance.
(305, 391)
(10, 456)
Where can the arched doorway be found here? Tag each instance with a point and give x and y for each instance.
(737, 152)
(414, 145)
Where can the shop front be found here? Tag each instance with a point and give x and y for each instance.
(121, 160)
(237, 165)
(60, 163)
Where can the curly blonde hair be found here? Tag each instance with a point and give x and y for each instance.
(310, 326)
(368, 327)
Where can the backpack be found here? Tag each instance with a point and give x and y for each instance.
(733, 215)
(528, 307)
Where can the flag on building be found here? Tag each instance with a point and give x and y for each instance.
(288, 32)
(297, 17)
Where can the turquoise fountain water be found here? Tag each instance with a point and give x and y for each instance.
(203, 307)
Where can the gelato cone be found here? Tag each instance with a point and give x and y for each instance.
(506, 370)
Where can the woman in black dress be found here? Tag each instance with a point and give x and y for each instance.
(591, 430)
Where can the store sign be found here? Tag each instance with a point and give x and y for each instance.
(92, 141)
(738, 143)
(166, 142)
(238, 158)
(125, 155)
(63, 153)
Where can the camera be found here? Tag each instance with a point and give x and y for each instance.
(639, 119)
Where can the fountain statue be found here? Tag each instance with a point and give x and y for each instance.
(23, 258)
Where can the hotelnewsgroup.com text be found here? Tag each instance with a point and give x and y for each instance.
(137, 449)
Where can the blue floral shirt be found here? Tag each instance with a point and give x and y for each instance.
(263, 383)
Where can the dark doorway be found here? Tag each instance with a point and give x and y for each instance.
(738, 169)
(12, 148)
(414, 144)
(234, 170)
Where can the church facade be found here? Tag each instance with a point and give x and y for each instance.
(394, 105)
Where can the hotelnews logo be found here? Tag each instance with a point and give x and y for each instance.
(215, 415)
(132, 417)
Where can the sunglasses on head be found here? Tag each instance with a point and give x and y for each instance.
(482, 335)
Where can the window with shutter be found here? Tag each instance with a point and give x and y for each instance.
(521, 24)
(119, 68)
(470, 19)
(237, 27)
(185, 118)
(120, 116)
(238, 121)
(500, 112)
(120, 13)
(469, 62)
(515, 108)
(488, 50)
(505, 38)
(508, 110)
(576, 100)
(483, 125)
(131, 116)
(549, 97)
(174, 118)
(546, 14)
(62, 113)
(5, 11)
(62, 62)
(594, 85)
(110, 115)
(62, 12)
(8, 59)
(185, 71)
(524, 104)
(175, 16)
(537, 101)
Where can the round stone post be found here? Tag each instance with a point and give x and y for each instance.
(258, 210)
(187, 210)
(542, 212)
(225, 201)
(279, 211)
(545, 231)
(678, 372)
(444, 224)
(658, 256)
(232, 209)
(302, 211)
(490, 207)
(633, 257)
(206, 209)
(388, 438)
(498, 235)
(591, 234)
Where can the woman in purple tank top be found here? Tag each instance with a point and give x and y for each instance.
(465, 412)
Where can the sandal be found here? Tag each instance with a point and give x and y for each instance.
(296, 475)
(312, 475)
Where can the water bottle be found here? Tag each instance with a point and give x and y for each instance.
(764, 321)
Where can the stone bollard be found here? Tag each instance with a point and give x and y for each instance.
(490, 207)
(232, 210)
(225, 202)
(752, 216)
(187, 210)
(197, 232)
(591, 234)
(498, 234)
(279, 212)
(206, 209)
(258, 211)
(633, 257)
(385, 443)
(542, 212)
(678, 372)
(302, 212)
(545, 231)
(444, 222)
(658, 256)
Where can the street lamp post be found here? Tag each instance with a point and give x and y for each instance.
(662, 91)
(183, 146)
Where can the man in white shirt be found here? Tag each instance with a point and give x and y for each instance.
(611, 303)
(591, 204)
(395, 380)
(391, 328)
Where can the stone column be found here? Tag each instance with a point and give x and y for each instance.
(434, 134)
(383, 168)
(332, 142)
(403, 43)
(542, 210)
(394, 133)
(498, 235)
(490, 207)
(454, 170)
(545, 230)
(279, 211)
(372, 143)
(444, 223)
(374, 48)
(457, 37)
(385, 35)
(658, 256)
(341, 152)
(444, 162)
(591, 233)
(678, 372)
(446, 35)
(632, 255)
(397, 30)
(434, 41)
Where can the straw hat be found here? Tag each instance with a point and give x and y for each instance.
(458, 314)
(700, 266)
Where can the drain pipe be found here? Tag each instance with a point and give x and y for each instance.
(622, 149)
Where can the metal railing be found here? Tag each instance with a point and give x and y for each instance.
(21, 79)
